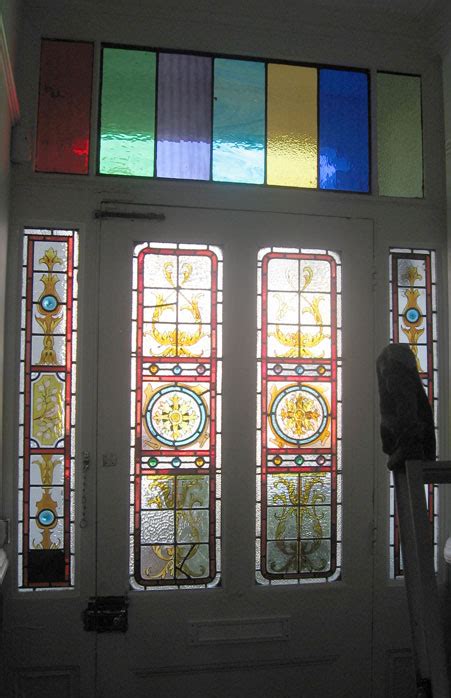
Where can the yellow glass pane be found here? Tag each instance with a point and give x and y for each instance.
(292, 149)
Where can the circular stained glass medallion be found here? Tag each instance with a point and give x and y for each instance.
(176, 415)
(48, 303)
(412, 315)
(46, 517)
(298, 414)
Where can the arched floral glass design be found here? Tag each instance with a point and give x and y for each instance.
(175, 434)
(299, 416)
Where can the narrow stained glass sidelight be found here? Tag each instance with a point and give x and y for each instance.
(413, 314)
(47, 409)
(127, 112)
(292, 132)
(175, 434)
(298, 416)
(64, 112)
(184, 116)
(343, 129)
(399, 135)
(239, 121)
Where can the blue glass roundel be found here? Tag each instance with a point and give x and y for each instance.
(176, 415)
(298, 414)
(48, 303)
(46, 517)
(412, 315)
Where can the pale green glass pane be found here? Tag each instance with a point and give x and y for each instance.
(399, 135)
(127, 125)
(315, 522)
(192, 491)
(192, 561)
(315, 556)
(283, 490)
(282, 523)
(315, 489)
(192, 526)
(282, 557)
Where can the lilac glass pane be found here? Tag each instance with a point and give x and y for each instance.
(184, 116)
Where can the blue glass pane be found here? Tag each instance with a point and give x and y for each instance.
(343, 128)
(239, 121)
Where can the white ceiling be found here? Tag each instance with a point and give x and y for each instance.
(413, 8)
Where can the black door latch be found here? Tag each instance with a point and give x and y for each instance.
(106, 614)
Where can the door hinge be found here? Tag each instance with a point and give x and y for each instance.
(106, 614)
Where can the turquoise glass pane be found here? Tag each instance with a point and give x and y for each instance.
(239, 121)
(344, 130)
(127, 116)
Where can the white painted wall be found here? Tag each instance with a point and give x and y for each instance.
(9, 10)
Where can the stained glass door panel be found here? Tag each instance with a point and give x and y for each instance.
(179, 402)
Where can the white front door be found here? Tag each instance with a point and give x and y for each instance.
(308, 631)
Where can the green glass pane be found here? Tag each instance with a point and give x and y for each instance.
(283, 490)
(282, 523)
(282, 557)
(192, 526)
(127, 112)
(399, 135)
(315, 556)
(315, 522)
(192, 561)
(315, 489)
(192, 491)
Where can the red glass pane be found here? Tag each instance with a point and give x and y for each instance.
(64, 114)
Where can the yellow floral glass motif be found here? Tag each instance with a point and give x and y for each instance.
(47, 411)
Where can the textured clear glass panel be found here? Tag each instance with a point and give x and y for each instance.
(184, 116)
(299, 431)
(127, 112)
(239, 121)
(292, 131)
(399, 135)
(176, 416)
(344, 130)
